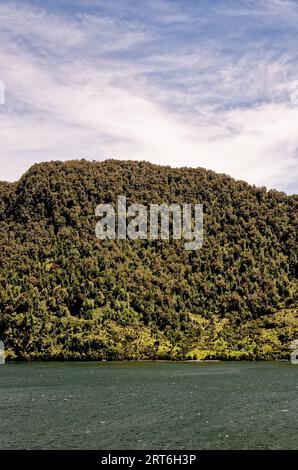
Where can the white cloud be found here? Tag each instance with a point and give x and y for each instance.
(95, 105)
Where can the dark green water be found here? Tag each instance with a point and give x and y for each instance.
(149, 406)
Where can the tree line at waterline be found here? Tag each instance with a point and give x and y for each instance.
(67, 295)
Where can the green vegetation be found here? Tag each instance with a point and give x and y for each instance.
(66, 295)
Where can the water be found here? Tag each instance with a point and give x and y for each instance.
(149, 405)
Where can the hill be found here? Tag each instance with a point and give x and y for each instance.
(67, 295)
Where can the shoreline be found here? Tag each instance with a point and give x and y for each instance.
(106, 361)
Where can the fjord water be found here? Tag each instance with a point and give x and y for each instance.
(149, 405)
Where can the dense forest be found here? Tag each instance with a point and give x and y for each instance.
(67, 295)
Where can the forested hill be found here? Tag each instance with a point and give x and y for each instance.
(66, 294)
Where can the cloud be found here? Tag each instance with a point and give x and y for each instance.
(99, 85)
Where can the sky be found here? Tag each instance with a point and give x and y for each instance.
(177, 82)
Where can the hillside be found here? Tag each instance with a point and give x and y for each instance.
(67, 295)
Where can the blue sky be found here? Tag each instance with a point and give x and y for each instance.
(180, 82)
